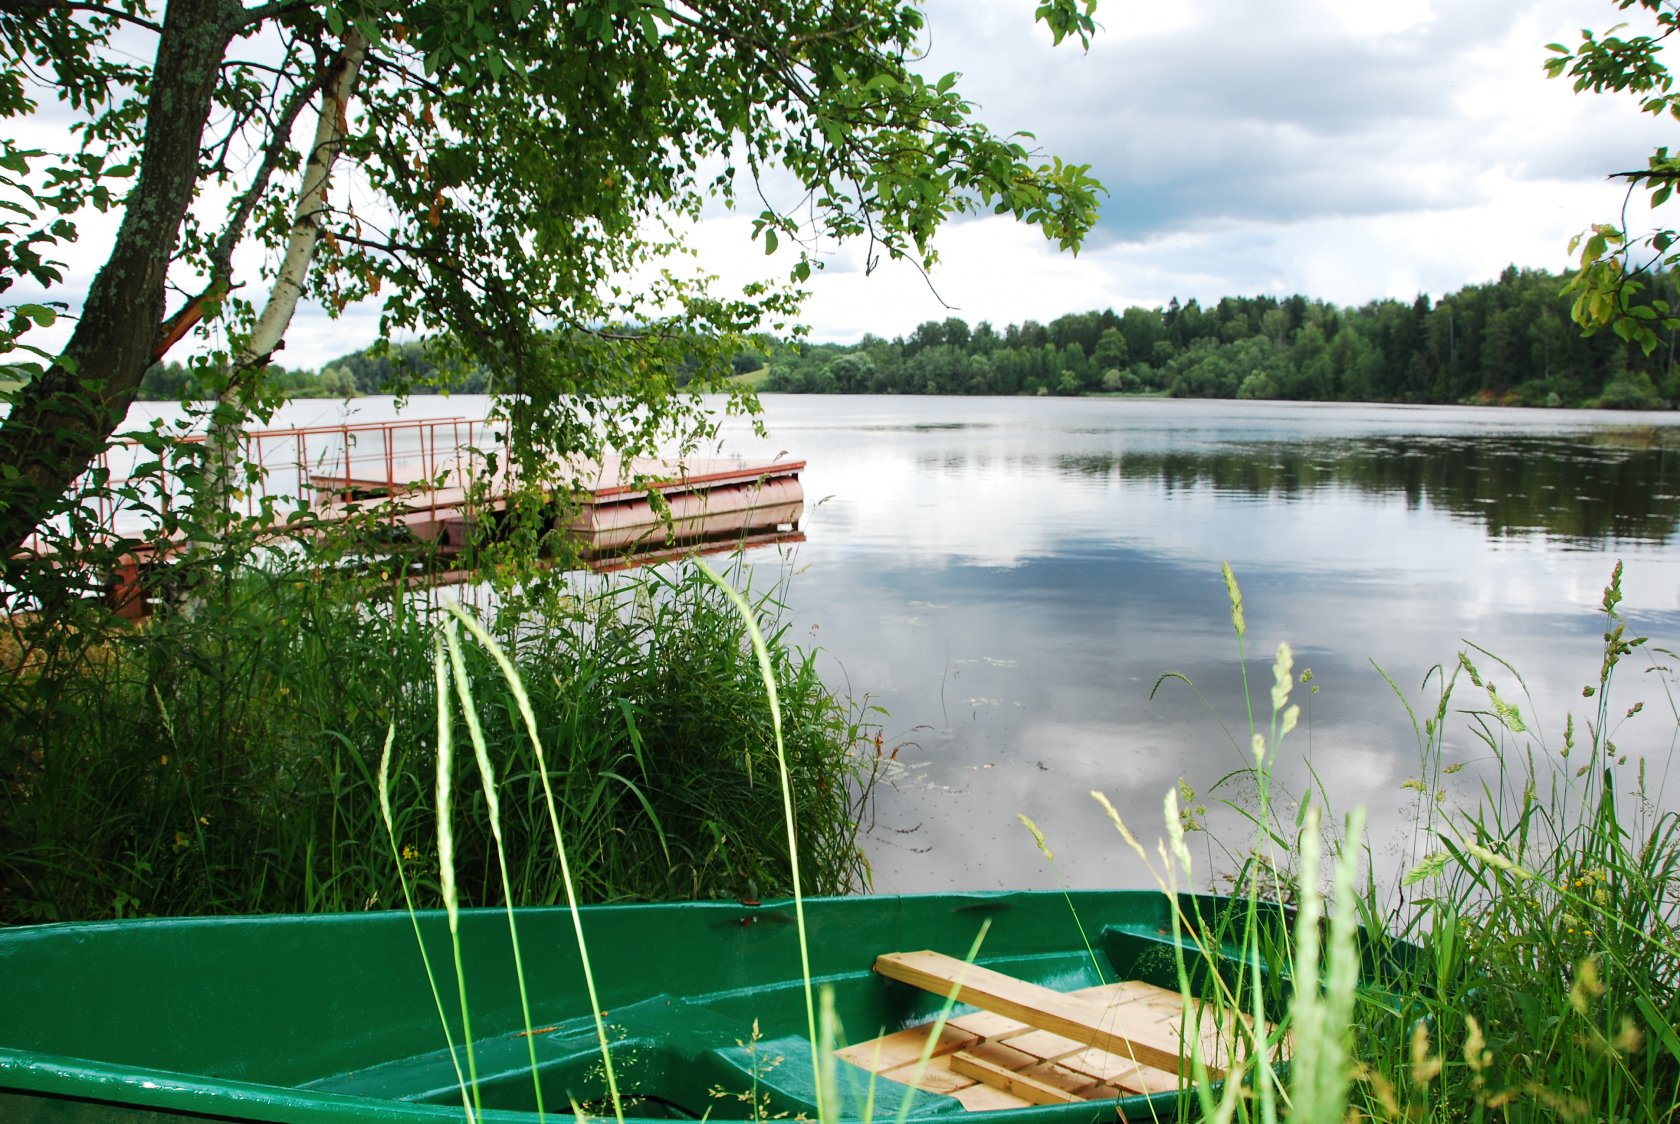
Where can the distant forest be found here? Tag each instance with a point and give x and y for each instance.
(348, 376)
(1510, 342)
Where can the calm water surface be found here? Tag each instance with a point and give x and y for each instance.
(1009, 578)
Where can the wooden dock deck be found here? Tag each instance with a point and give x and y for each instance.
(612, 502)
(430, 479)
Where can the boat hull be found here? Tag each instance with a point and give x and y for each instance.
(332, 1018)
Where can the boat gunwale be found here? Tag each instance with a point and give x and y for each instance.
(120, 1083)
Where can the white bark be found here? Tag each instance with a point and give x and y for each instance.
(223, 441)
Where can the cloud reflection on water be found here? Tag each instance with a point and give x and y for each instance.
(1010, 578)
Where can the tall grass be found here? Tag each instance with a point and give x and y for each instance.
(1525, 968)
(1527, 965)
(1548, 915)
(224, 761)
(821, 1029)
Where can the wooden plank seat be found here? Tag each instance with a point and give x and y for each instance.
(1029, 1044)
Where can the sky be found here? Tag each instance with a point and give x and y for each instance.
(1346, 150)
(1341, 149)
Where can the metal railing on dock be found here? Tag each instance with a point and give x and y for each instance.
(434, 479)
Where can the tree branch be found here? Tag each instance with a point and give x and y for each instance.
(252, 17)
(220, 263)
(43, 6)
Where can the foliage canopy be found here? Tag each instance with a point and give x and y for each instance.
(1615, 264)
(514, 173)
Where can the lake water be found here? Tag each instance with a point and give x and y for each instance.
(1009, 578)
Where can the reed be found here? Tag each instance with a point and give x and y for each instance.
(1527, 965)
(226, 761)
(821, 1025)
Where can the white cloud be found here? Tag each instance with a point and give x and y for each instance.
(1343, 151)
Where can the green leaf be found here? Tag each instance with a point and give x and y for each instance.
(1658, 1024)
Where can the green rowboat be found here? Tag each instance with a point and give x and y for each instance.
(332, 1018)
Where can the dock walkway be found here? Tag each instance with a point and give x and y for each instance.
(433, 480)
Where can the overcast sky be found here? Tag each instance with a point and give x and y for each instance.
(1343, 149)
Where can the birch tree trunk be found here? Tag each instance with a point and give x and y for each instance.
(63, 418)
(227, 427)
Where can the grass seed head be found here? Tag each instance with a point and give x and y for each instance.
(1235, 594)
(1425, 1066)
(1476, 1053)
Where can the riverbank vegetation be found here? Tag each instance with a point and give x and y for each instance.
(222, 759)
(414, 366)
(1508, 342)
(1526, 966)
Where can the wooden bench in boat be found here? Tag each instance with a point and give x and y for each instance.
(1029, 1044)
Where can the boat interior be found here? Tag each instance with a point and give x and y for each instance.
(1096, 1027)
(1070, 1010)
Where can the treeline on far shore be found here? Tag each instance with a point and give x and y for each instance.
(362, 372)
(1510, 342)
(410, 367)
